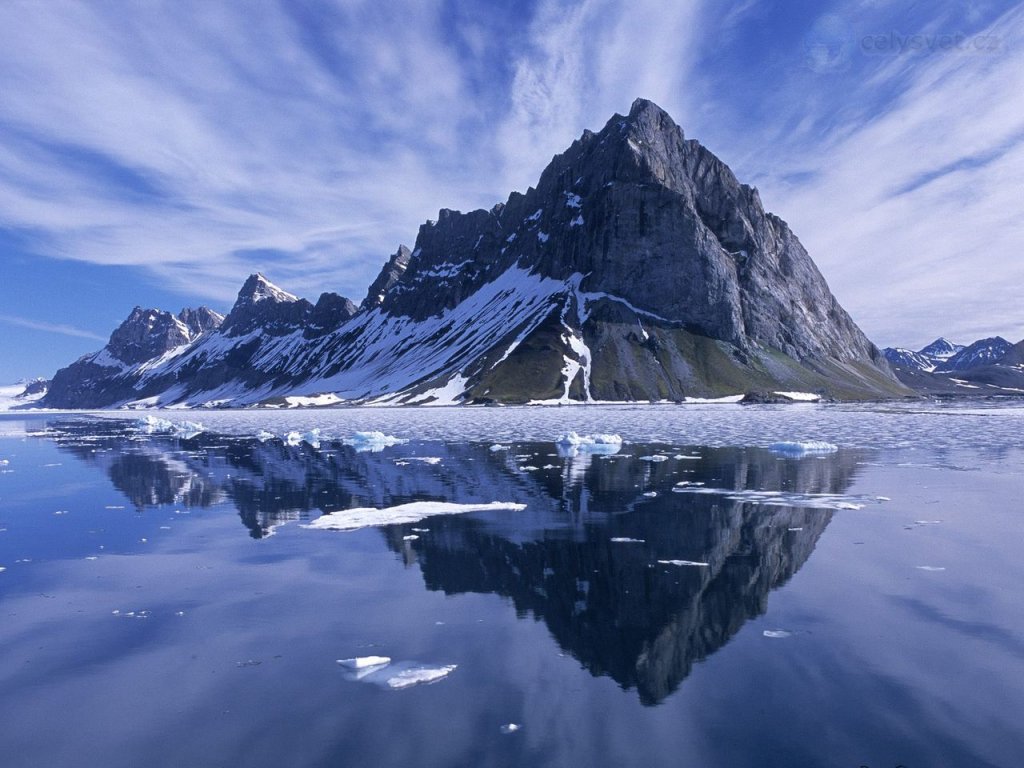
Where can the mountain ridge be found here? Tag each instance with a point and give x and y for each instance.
(638, 268)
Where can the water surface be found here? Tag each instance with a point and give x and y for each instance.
(163, 604)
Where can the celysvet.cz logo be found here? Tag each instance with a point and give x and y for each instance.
(896, 43)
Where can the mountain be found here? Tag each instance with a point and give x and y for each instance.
(989, 366)
(940, 349)
(980, 353)
(639, 268)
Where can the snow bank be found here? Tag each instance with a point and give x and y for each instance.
(364, 517)
(801, 397)
(802, 448)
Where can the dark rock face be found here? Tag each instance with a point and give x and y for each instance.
(35, 387)
(389, 275)
(329, 313)
(639, 268)
(145, 334)
(200, 320)
(262, 306)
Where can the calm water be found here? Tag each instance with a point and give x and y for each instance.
(163, 605)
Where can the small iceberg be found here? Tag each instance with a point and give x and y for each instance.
(404, 674)
(809, 447)
(364, 517)
(573, 444)
(372, 441)
(499, 447)
(508, 728)
(152, 425)
(311, 438)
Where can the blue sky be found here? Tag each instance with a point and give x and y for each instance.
(157, 153)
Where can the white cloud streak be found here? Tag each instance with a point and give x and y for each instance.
(59, 328)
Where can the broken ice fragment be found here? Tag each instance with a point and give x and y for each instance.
(627, 540)
(362, 662)
(930, 568)
(793, 448)
(683, 562)
(362, 517)
(510, 728)
(776, 633)
(417, 675)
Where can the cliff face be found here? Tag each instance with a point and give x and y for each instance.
(638, 268)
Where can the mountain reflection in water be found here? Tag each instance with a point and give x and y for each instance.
(610, 604)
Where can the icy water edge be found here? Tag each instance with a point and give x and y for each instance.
(693, 599)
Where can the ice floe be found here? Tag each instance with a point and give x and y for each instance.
(627, 540)
(655, 458)
(930, 568)
(776, 633)
(796, 448)
(413, 512)
(499, 447)
(781, 498)
(694, 563)
(372, 441)
(153, 425)
(510, 728)
(362, 662)
(573, 444)
(379, 670)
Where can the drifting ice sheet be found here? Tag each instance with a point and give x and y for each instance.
(789, 448)
(372, 441)
(364, 517)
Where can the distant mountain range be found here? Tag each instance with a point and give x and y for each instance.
(639, 268)
(988, 366)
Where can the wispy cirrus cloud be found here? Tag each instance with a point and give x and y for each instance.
(46, 327)
(201, 141)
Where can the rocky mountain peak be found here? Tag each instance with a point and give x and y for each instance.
(261, 305)
(389, 275)
(145, 334)
(200, 319)
(941, 349)
(257, 288)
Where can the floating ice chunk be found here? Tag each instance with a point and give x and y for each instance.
(263, 435)
(425, 459)
(930, 568)
(681, 457)
(651, 494)
(419, 675)
(248, 663)
(780, 498)
(927, 522)
(627, 540)
(363, 517)
(510, 728)
(4, 462)
(790, 448)
(529, 468)
(499, 447)
(689, 484)
(694, 563)
(362, 662)
(152, 425)
(3, 568)
(372, 441)
(410, 537)
(655, 458)
(776, 633)
(795, 529)
(573, 443)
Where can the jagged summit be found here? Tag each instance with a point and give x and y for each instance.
(257, 288)
(941, 349)
(637, 268)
